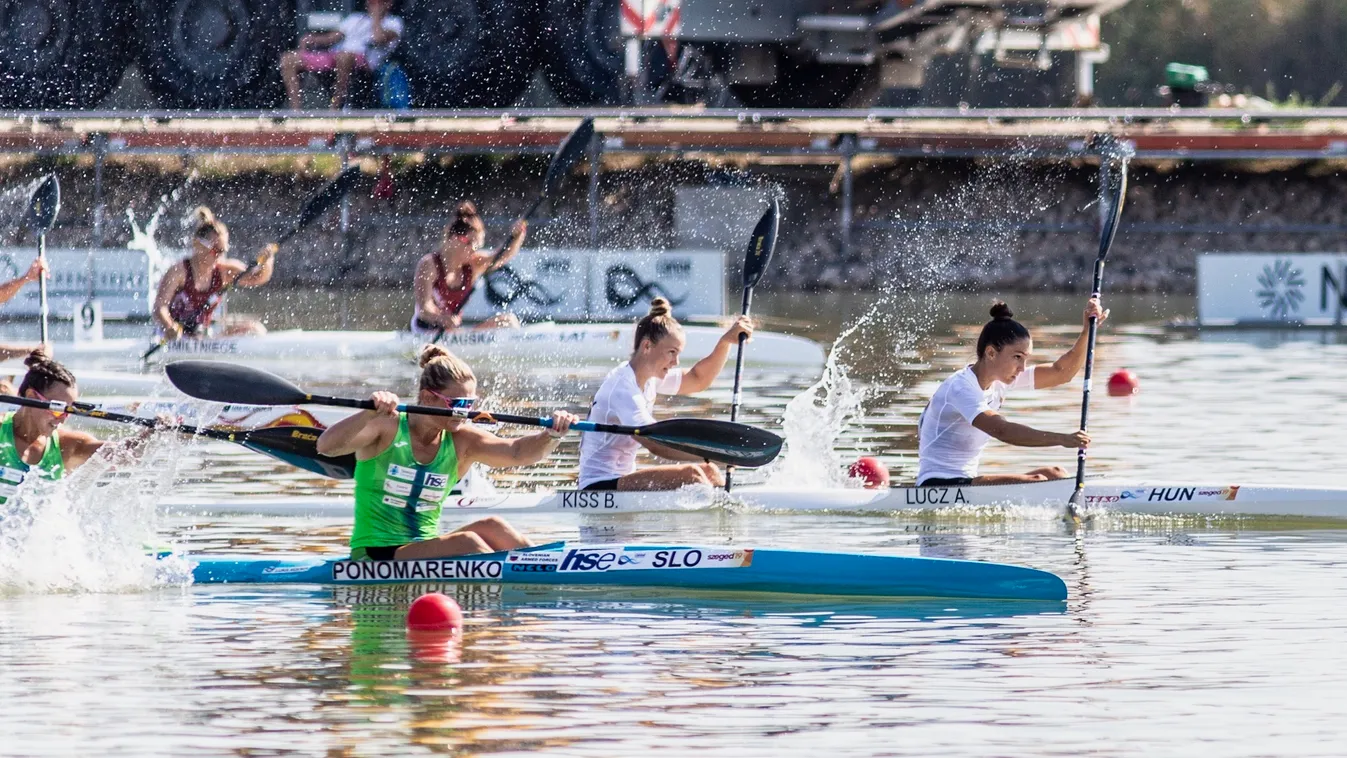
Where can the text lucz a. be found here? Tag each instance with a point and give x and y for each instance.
(934, 496)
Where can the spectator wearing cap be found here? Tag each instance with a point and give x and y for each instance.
(361, 40)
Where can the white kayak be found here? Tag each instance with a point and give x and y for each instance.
(556, 344)
(1052, 496)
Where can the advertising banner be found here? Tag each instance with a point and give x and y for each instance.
(123, 280)
(1271, 288)
(589, 285)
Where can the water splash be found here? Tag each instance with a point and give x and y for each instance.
(146, 238)
(813, 422)
(14, 202)
(96, 529)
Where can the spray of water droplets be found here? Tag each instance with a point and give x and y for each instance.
(95, 529)
(968, 239)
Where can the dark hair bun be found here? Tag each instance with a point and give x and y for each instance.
(38, 356)
(659, 307)
(1001, 310)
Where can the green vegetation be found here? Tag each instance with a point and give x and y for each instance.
(1282, 50)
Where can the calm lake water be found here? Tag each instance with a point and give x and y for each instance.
(1181, 635)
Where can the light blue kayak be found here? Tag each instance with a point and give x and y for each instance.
(682, 567)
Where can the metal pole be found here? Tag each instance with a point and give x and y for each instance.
(346, 242)
(100, 157)
(848, 148)
(595, 160)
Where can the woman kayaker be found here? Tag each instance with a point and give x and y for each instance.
(444, 279)
(406, 464)
(627, 396)
(29, 437)
(965, 412)
(191, 291)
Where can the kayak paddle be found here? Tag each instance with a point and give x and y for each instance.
(295, 445)
(1113, 177)
(722, 441)
(567, 155)
(43, 205)
(760, 247)
(318, 203)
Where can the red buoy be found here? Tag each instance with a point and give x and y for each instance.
(434, 611)
(871, 471)
(1123, 383)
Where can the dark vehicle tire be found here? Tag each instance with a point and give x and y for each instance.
(62, 53)
(804, 84)
(215, 53)
(468, 53)
(584, 61)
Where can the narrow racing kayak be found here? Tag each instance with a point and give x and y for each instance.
(682, 567)
(1100, 495)
(559, 344)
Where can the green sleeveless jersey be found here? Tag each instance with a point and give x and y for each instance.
(12, 467)
(398, 499)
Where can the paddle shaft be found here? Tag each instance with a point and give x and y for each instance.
(90, 411)
(1109, 228)
(736, 397)
(254, 439)
(44, 306)
(480, 417)
(1089, 375)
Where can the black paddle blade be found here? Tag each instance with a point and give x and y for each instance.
(44, 204)
(720, 441)
(232, 383)
(761, 245)
(568, 155)
(1114, 193)
(329, 195)
(298, 446)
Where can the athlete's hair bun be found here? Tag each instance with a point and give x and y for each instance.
(466, 210)
(430, 353)
(1001, 310)
(440, 368)
(659, 307)
(38, 356)
(43, 372)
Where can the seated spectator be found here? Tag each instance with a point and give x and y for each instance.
(361, 41)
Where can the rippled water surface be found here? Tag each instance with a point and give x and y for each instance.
(1181, 636)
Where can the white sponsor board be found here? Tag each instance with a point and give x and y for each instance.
(592, 285)
(1271, 288)
(124, 281)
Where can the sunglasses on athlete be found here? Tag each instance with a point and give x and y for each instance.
(455, 402)
(62, 413)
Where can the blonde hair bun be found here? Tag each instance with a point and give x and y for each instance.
(440, 368)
